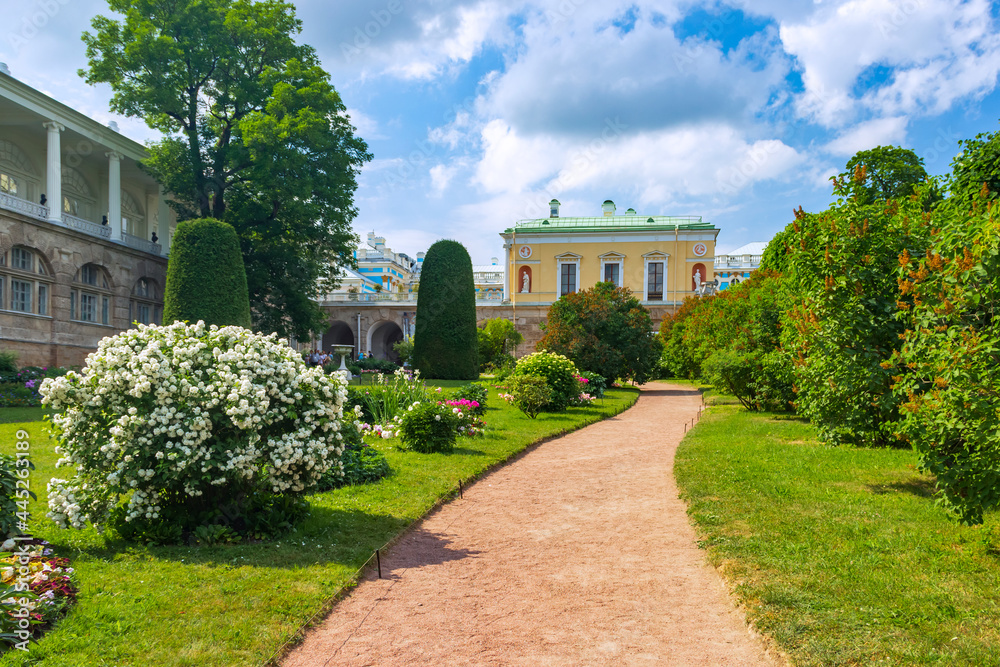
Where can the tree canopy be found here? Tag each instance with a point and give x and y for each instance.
(256, 135)
(891, 172)
(604, 330)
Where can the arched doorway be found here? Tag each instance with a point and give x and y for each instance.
(339, 333)
(381, 337)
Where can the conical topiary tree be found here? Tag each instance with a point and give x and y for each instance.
(445, 342)
(206, 279)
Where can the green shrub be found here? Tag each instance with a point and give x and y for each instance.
(595, 385)
(362, 465)
(473, 392)
(604, 329)
(8, 361)
(427, 427)
(560, 374)
(445, 344)
(390, 395)
(404, 348)
(206, 279)
(10, 495)
(498, 338)
(529, 393)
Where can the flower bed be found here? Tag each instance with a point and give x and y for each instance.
(51, 589)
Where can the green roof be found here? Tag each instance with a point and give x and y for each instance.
(624, 223)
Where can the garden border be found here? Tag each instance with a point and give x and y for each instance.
(296, 637)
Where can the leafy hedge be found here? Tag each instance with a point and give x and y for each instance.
(446, 342)
(206, 279)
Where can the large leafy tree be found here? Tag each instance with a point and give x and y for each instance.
(978, 165)
(255, 135)
(603, 330)
(891, 173)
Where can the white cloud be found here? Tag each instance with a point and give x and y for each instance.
(933, 52)
(863, 136)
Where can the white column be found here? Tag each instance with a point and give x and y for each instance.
(53, 171)
(507, 269)
(115, 195)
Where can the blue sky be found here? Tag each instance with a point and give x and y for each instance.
(478, 112)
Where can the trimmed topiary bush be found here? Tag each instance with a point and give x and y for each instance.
(206, 279)
(446, 341)
(560, 374)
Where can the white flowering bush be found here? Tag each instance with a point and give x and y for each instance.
(189, 424)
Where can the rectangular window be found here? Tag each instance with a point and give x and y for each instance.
(20, 296)
(43, 299)
(567, 279)
(88, 307)
(20, 259)
(143, 316)
(105, 310)
(612, 273)
(654, 281)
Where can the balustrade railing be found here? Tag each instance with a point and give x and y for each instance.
(18, 205)
(140, 243)
(86, 226)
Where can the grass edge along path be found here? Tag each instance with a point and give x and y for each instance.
(839, 555)
(447, 497)
(235, 604)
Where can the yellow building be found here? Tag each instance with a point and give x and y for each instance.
(661, 259)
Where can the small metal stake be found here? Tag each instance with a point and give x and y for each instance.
(460, 493)
(378, 560)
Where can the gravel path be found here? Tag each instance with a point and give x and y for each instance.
(578, 553)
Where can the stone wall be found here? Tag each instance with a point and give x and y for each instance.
(55, 339)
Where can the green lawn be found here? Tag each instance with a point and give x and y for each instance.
(236, 605)
(839, 554)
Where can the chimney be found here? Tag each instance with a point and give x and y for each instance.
(113, 125)
(554, 208)
(631, 211)
(609, 208)
(4, 69)
(494, 261)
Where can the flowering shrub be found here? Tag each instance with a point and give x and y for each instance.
(51, 589)
(474, 392)
(595, 384)
(528, 393)
(169, 424)
(391, 395)
(429, 427)
(559, 373)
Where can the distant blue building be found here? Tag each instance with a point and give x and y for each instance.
(735, 267)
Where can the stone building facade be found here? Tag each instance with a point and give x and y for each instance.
(84, 232)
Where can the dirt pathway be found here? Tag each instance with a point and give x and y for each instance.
(578, 553)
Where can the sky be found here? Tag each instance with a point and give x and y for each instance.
(478, 112)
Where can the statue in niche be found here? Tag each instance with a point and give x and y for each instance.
(697, 278)
(525, 282)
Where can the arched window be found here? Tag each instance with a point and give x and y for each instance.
(132, 215)
(25, 281)
(90, 297)
(78, 198)
(17, 174)
(146, 304)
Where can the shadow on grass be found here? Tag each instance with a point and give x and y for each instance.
(321, 538)
(923, 488)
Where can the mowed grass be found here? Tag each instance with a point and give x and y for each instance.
(236, 605)
(840, 554)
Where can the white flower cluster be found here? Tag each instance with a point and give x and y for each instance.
(182, 408)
